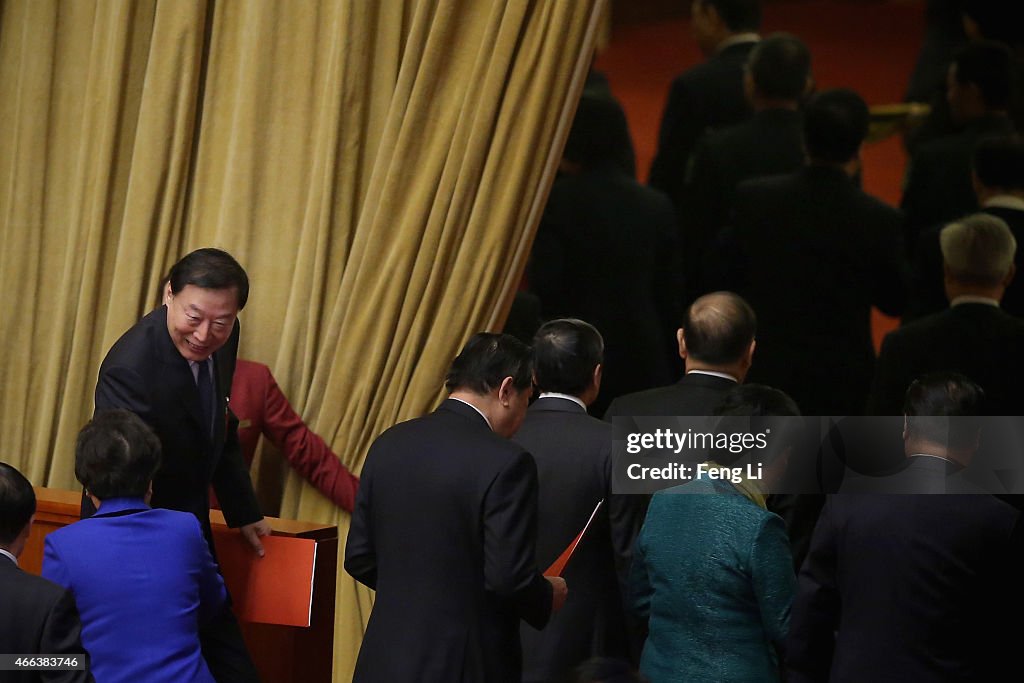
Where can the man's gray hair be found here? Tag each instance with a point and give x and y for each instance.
(978, 249)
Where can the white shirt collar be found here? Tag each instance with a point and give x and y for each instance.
(474, 408)
(972, 299)
(567, 397)
(13, 558)
(749, 37)
(1005, 201)
(713, 374)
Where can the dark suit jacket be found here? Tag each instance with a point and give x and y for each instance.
(573, 452)
(144, 582)
(144, 373)
(939, 186)
(605, 253)
(928, 293)
(975, 339)
(812, 253)
(38, 617)
(710, 95)
(768, 144)
(915, 587)
(444, 530)
(694, 394)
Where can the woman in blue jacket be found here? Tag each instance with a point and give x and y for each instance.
(143, 579)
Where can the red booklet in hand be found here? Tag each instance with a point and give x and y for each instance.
(558, 566)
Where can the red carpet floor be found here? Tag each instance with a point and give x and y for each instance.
(869, 46)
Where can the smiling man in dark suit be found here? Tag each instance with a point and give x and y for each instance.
(444, 530)
(174, 370)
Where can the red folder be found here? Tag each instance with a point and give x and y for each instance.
(558, 566)
(274, 589)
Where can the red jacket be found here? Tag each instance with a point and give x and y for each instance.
(262, 408)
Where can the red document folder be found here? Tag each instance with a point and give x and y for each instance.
(274, 589)
(558, 566)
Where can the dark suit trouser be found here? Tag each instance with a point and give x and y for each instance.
(224, 650)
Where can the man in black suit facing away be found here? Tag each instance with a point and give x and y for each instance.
(444, 529)
(979, 90)
(606, 253)
(777, 77)
(573, 452)
(709, 95)
(716, 343)
(998, 178)
(974, 336)
(38, 617)
(173, 369)
(812, 253)
(913, 587)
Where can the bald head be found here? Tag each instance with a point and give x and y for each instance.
(718, 333)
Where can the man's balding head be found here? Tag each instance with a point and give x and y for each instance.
(718, 334)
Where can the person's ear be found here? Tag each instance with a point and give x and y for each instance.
(505, 391)
(168, 294)
(598, 370)
(681, 340)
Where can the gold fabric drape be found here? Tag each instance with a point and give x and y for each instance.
(377, 167)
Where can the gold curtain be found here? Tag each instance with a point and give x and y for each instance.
(378, 167)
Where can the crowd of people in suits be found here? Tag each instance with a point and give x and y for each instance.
(755, 234)
(762, 173)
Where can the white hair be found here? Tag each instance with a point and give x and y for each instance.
(978, 249)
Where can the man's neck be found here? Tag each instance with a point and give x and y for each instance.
(479, 403)
(725, 373)
(736, 39)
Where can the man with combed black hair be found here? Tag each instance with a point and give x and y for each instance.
(573, 452)
(444, 530)
(777, 77)
(38, 617)
(813, 253)
(938, 187)
(174, 369)
(998, 178)
(710, 94)
(973, 336)
(716, 343)
(913, 587)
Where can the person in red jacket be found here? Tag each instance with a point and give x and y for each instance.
(262, 408)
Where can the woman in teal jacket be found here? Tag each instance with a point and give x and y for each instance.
(712, 569)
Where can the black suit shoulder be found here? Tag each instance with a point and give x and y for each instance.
(693, 395)
(39, 617)
(707, 95)
(978, 340)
